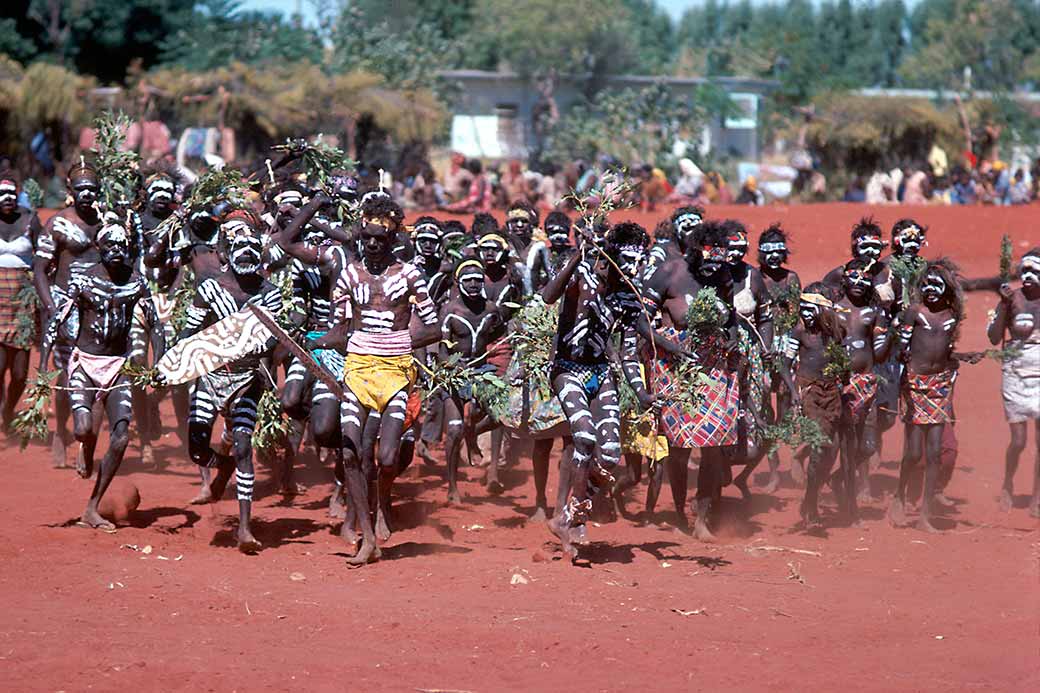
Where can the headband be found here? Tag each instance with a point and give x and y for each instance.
(1032, 262)
(114, 231)
(772, 246)
(493, 238)
(384, 221)
(9, 181)
(519, 214)
(817, 300)
(468, 263)
(288, 193)
(428, 229)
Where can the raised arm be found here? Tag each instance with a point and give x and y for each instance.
(552, 291)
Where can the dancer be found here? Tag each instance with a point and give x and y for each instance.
(378, 294)
(784, 288)
(65, 248)
(469, 323)
(867, 244)
(1018, 318)
(19, 229)
(597, 302)
(713, 425)
(817, 393)
(928, 331)
(103, 299)
(235, 390)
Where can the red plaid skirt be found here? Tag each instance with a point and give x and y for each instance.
(715, 422)
(928, 399)
(12, 280)
(858, 395)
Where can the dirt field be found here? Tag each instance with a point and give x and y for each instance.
(473, 598)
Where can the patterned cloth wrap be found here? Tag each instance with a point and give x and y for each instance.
(1021, 382)
(858, 395)
(223, 386)
(928, 399)
(821, 402)
(12, 281)
(718, 417)
(541, 411)
(889, 374)
(640, 435)
(758, 377)
(330, 359)
(68, 330)
(374, 380)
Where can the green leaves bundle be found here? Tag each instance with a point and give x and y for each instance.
(272, 425)
(785, 308)
(532, 341)
(34, 192)
(1006, 258)
(117, 169)
(30, 423)
(909, 271)
(28, 302)
(838, 366)
(140, 376)
(794, 431)
(320, 160)
(183, 297)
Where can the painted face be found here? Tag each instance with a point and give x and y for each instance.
(737, 249)
(346, 189)
(774, 254)
(84, 190)
(910, 240)
(471, 282)
(809, 312)
(491, 252)
(686, 225)
(288, 202)
(160, 193)
(428, 240)
(1031, 270)
(868, 247)
(933, 287)
(246, 254)
(712, 259)
(519, 223)
(113, 244)
(375, 242)
(857, 283)
(8, 196)
(629, 258)
(559, 235)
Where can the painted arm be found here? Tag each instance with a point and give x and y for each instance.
(554, 289)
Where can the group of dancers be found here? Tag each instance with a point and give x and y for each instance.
(663, 344)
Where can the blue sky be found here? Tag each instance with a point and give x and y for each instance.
(674, 7)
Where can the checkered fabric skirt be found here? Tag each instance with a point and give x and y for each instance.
(928, 399)
(12, 281)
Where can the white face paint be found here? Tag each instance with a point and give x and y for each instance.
(629, 258)
(686, 223)
(161, 191)
(773, 254)
(933, 287)
(910, 240)
(1031, 270)
(471, 283)
(246, 254)
(869, 247)
(8, 193)
(809, 312)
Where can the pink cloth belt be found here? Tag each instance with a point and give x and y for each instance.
(395, 343)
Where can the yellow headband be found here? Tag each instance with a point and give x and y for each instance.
(493, 238)
(518, 214)
(468, 263)
(817, 300)
(385, 222)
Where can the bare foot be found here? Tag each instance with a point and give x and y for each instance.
(773, 484)
(383, 530)
(84, 467)
(943, 500)
(92, 519)
(349, 534)
(864, 496)
(1034, 509)
(423, 451)
(495, 487)
(897, 514)
(701, 531)
(874, 463)
(204, 496)
(365, 554)
(247, 543)
(58, 453)
(563, 533)
(337, 504)
(925, 525)
(539, 515)
(1006, 501)
(218, 483)
(292, 489)
(454, 497)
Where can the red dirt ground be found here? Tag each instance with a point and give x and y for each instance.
(876, 609)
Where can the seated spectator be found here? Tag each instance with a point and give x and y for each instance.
(915, 191)
(964, 190)
(478, 199)
(856, 190)
(749, 193)
(1019, 192)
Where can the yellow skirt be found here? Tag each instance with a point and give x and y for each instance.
(374, 380)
